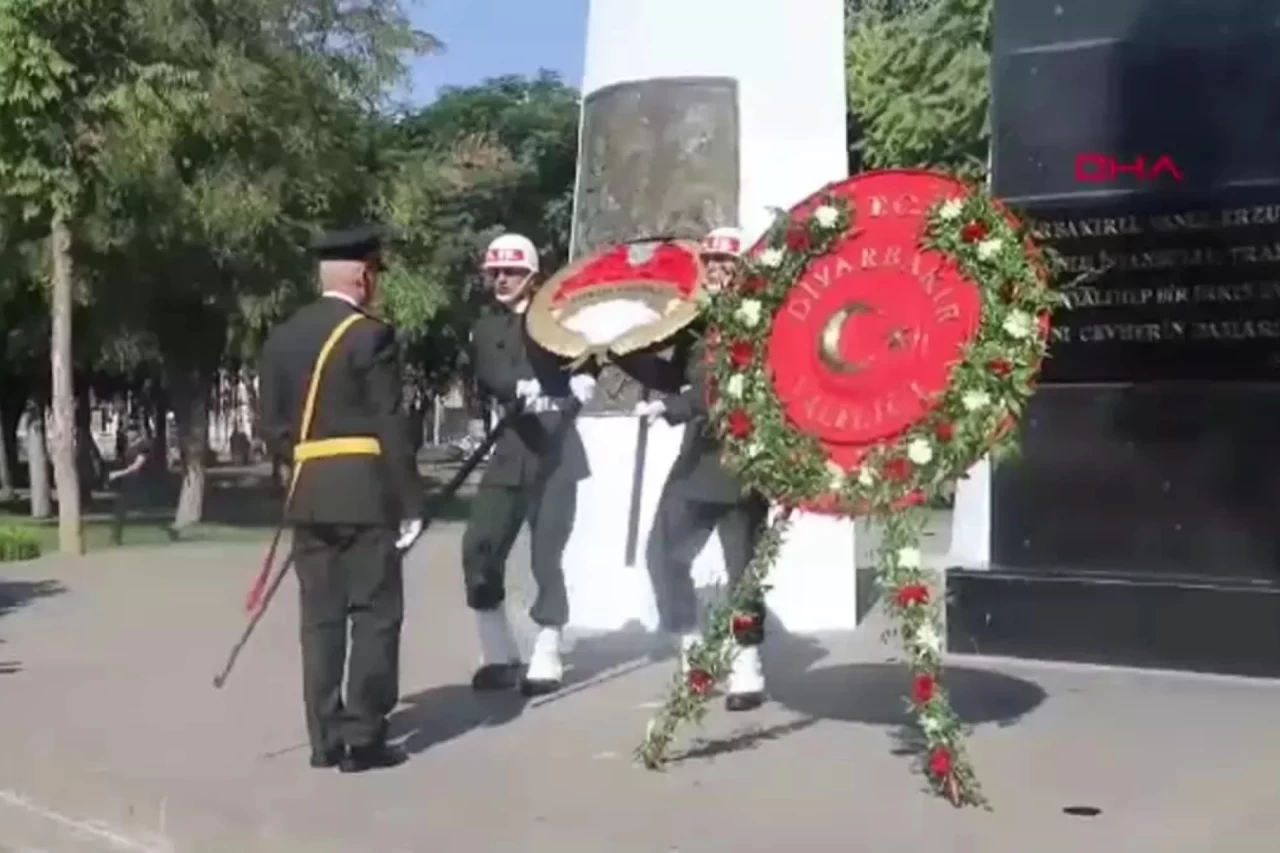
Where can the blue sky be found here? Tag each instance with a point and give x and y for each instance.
(489, 38)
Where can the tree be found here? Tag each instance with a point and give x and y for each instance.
(480, 160)
(67, 67)
(918, 87)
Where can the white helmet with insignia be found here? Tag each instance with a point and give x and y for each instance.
(511, 251)
(726, 241)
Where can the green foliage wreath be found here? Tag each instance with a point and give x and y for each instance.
(973, 417)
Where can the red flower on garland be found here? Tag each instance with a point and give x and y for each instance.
(923, 689)
(1000, 366)
(940, 762)
(973, 232)
(743, 623)
(741, 353)
(700, 681)
(739, 424)
(912, 593)
(944, 431)
(751, 285)
(797, 238)
(897, 469)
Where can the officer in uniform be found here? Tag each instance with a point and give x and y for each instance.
(532, 477)
(331, 403)
(702, 495)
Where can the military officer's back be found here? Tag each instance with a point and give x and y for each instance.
(331, 403)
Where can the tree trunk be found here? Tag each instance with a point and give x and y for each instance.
(65, 476)
(90, 465)
(38, 463)
(191, 399)
(7, 485)
(10, 418)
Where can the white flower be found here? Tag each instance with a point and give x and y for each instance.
(920, 451)
(1019, 324)
(927, 638)
(951, 210)
(735, 386)
(866, 477)
(753, 450)
(974, 400)
(838, 476)
(748, 312)
(909, 558)
(770, 258)
(826, 216)
(929, 724)
(989, 248)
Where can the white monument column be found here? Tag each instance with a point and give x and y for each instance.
(741, 108)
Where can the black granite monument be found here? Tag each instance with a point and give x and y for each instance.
(1141, 524)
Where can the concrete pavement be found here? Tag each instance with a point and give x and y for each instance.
(114, 739)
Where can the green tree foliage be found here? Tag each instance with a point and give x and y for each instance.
(918, 87)
(475, 163)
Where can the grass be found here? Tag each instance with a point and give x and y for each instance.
(144, 530)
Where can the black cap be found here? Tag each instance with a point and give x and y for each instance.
(350, 244)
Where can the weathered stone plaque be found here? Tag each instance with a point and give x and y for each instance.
(657, 157)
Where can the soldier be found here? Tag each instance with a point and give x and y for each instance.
(331, 405)
(702, 495)
(532, 477)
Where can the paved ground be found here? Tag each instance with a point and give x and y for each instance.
(115, 741)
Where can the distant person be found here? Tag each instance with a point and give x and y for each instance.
(133, 483)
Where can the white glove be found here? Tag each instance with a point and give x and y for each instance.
(650, 409)
(410, 530)
(583, 387)
(528, 390)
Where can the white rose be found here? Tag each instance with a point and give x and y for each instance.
(989, 248)
(974, 400)
(770, 258)
(927, 638)
(930, 725)
(1019, 324)
(866, 477)
(748, 312)
(735, 386)
(909, 558)
(826, 216)
(951, 210)
(920, 451)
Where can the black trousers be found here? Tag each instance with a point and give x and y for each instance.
(681, 529)
(497, 514)
(349, 573)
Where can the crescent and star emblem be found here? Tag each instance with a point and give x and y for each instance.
(829, 339)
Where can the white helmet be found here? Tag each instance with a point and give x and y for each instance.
(512, 251)
(723, 241)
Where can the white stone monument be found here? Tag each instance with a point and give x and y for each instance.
(784, 64)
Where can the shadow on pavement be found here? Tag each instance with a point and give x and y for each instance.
(440, 714)
(15, 594)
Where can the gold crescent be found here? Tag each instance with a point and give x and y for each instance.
(829, 338)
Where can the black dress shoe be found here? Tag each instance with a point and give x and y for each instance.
(496, 676)
(328, 758)
(530, 687)
(377, 756)
(744, 701)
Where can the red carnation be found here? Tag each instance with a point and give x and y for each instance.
(739, 424)
(742, 624)
(897, 469)
(944, 431)
(923, 688)
(1000, 366)
(797, 238)
(912, 593)
(940, 762)
(973, 232)
(700, 681)
(741, 353)
(751, 285)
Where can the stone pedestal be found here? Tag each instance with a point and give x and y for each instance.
(699, 114)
